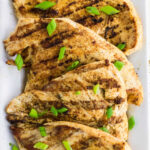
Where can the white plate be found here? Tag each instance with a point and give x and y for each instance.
(11, 80)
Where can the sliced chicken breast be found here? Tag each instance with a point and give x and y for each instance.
(77, 137)
(87, 107)
(41, 51)
(123, 27)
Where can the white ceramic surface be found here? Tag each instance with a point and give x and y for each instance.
(11, 80)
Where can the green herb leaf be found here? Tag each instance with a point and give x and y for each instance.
(131, 123)
(73, 66)
(13, 146)
(62, 53)
(78, 92)
(41, 146)
(109, 112)
(67, 145)
(19, 62)
(119, 65)
(54, 111)
(45, 5)
(121, 46)
(104, 129)
(109, 10)
(42, 131)
(33, 113)
(51, 27)
(62, 110)
(92, 10)
(96, 89)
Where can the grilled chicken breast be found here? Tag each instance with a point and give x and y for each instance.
(78, 137)
(40, 51)
(86, 108)
(123, 27)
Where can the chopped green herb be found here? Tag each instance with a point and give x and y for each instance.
(78, 92)
(33, 113)
(96, 89)
(45, 5)
(41, 146)
(109, 10)
(73, 66)
(121, 46)
(54, 111)
(104, 129)
(131, 123)
(61, 53)
(42, 131)
(92, 10)
(62, 110)
(67, 145)
(13, 146)
(43, 113)
(51, 27)
(19, 62)
(109, 112)
(119, 65)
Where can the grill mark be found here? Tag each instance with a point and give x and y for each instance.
(80, 84)
(53, 13)
(13, 119)
(109, 83)
(83, 19)
(61, 64)
(93, 20)
(68, 61)
(110, 30)
(63, 129)
(80, 8)
(45, 13)
(46, 61)
(57, 39)
(91, 105)
(45, 105)
(117, 100)
(52, 67)
(89, 4)
(96, 21)
(84, 69)
(85, 143)
(115, 120)
(28, 32)
(84, 104)
(71, 3)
